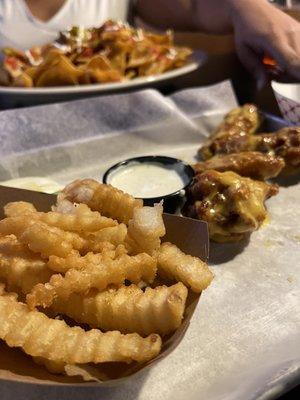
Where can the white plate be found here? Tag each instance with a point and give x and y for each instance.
(20, 96)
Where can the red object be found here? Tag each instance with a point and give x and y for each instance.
(273, 69)
(12, 62)
(87, 53)
(269, 61)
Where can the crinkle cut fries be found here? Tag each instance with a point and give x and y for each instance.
(96, 258)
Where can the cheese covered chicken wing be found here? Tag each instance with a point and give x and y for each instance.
(232, 205)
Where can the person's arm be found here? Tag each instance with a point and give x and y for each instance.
(259, 27)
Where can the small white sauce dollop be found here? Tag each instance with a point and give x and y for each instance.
(38, 184)
(147, 180)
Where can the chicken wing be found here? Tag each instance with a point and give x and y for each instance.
(232, 205)
(252, 164)
(284, 143)
(234, 133)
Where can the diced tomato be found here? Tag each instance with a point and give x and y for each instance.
(162, 57)
(87, 53)
(12, 62)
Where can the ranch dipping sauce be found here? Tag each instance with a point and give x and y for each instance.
(153, 179)
(35, 183)
(149, 179)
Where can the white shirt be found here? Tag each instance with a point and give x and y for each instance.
(21, 30)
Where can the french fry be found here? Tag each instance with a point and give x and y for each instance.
(76, 219)
(54, 340)
(40, 237)
(55, 367)
(98, 276)
(47, 240)
(79, 219)
(15, 225)
(18, 208)
(98, 247)
(19, 268)
(176, 265)
(145, 229)
(76, 261)
(77, 223)
(106, 199)
(12, 247)
(128, 309)
(73, 261)
(115, 235)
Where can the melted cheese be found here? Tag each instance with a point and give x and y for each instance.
(247, 200)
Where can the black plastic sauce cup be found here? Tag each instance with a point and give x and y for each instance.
(172, 201)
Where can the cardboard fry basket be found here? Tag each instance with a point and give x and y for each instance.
(189, 235)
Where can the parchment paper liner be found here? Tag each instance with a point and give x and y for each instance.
(189, 235)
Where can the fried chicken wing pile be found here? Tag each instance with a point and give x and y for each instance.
(97, 258)
(110, 53)
(233, 137)
(232, 205)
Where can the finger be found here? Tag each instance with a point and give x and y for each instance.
(253, 64)
(286, 53)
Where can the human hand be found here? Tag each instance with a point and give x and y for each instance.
(262, 29)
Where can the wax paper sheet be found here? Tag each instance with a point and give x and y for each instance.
(244, 341)
(198, 102)
(85, 136)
